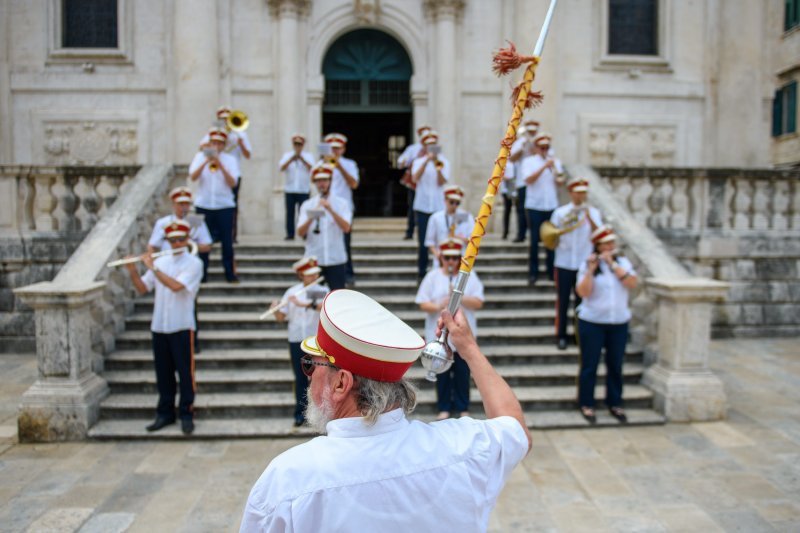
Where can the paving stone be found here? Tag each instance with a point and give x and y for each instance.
(64, 520)
(108, 523)
(743, 520)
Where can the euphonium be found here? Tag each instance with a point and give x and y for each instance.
(237, 121)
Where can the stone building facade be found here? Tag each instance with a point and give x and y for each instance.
(700, 96)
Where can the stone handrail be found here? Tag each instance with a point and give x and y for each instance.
(672, 313)
(79, 313)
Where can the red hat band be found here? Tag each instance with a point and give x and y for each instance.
(603, 234)
(178, 228)
(579, 185)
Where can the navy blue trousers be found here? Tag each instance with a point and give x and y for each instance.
(300, 383)
(172, 352)
(452, 387)
(349, 273)
(508, 205)
(235, 227)
(535, 220)
(565, 284)
(293, 202)
(335, 276)
(422, 256)
(220, 225)
(411, 222)
(593, 338)
(522, 218)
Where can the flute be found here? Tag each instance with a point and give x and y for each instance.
(269, 312)
(192, 247)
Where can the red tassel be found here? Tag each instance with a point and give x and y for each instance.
(507, 59)
(534, 99)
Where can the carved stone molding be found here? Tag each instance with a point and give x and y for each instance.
(289, 8)
(636, 145)
(367, 11)
(96, 142)
(443, 9)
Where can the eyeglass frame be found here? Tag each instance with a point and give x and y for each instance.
(447, 257)
(308, 365)
(177, 239)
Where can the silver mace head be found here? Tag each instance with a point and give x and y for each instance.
(437, 358)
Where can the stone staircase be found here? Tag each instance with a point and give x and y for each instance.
(244, 380)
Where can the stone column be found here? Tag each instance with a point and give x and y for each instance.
(64, 401)
(196, 82)
(685, 388)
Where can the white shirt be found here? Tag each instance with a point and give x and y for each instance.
(232, 148)
(541, 194)
(327, 245)
(213, 191)
(430, 195)
(303, 321)
(339, 186)
(408, 156)
(298, 176)
(435, 287)
(174, 311)
(574, 247)
(509, 179)
(439, 228)
(199, 234)
(396, 476)
(608, 302)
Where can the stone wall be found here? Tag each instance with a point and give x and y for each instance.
(741, 226)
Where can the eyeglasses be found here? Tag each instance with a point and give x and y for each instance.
(454, 202)
(452, 258)
(307, 365)
(176, 239)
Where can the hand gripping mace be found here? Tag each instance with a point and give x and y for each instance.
(437, 357)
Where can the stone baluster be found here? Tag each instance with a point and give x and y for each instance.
(679, 204)
(44, 203)
(741, 203)
(780, 205)
(88, 202)
(761, 204)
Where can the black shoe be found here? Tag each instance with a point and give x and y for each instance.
(159, 423)
(234, 280)
(619, 414)
(187, 426)
(287, 238)
(562, 344)
(298, 423)
(518, 240)
(531, 282)
(588, 414)
(408, 237)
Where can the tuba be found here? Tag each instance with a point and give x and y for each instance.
(550, 234)
(237, 121)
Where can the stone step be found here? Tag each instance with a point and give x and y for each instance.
(281, 404)
(234, 428)
(377, 245)
(362, 261)
(407, 271)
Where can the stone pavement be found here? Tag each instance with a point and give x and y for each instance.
(742, 474)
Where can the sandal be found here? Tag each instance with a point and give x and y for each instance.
(619, 414)
(443, 415)
(588, 414)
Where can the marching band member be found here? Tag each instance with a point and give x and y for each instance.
(345, 181)
(452, 221)
(296, 165)
(323, 222)
(215, 200)
(578, 220)
(603, 316)
(522, 148)
(541, 198)
(429, 172)
(176, 280)
(238, 145)
(405, 160)
(302, 311)
(452, 387)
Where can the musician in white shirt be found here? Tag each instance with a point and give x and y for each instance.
(604, 282)
(578, 220)
(522, 148)
(429, 172)
(210, 168)
(405, 160)
(345, 180)
(324, 220)
(296, 166)
(433, 296)
(302, 304)
(452, 221)
(176, 280)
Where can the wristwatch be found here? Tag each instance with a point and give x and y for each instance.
(155, 269)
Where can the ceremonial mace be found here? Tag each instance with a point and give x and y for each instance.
(437, 357)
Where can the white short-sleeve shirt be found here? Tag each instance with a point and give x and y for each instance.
(435, 286)
(439, 228)
(339, 186)
(429, 196)
(302, 321)
(327, 245)
(540, 195)
(373, 478)
(174, 311)
(408, 156)
(213, 192)
(608, 302)
(574, 247)
(199, 233)
(298, 176)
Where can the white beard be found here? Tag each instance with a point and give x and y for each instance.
(318, 416)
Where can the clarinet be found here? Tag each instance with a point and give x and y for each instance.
(316, 226)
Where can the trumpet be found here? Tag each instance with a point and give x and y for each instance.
(237, 121)
(438, 164)
(213, 166)
(192, 247)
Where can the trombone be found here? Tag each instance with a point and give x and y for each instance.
(192, 247)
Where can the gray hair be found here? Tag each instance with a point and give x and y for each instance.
(376, 397)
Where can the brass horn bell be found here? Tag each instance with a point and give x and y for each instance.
(237, 121)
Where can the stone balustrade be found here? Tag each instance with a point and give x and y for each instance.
(79, 313)
(671, 308)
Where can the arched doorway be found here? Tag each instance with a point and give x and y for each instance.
(367, 97)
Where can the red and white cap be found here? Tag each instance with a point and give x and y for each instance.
(307, 266)
(543, 139)
(217, 134)
(603, 234)
(223, 111)
(422, 129)
(358, 334)
(454, 192)
(181, 194)
(578, 185)
(531, 126)
(177, 228)
(429, 138)
(322, 172)
(337, 140)
(298, 138)
(451, 246)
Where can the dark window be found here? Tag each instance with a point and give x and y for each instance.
(633, 27)
(784, 110)
(792, 15)
(89, 23)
